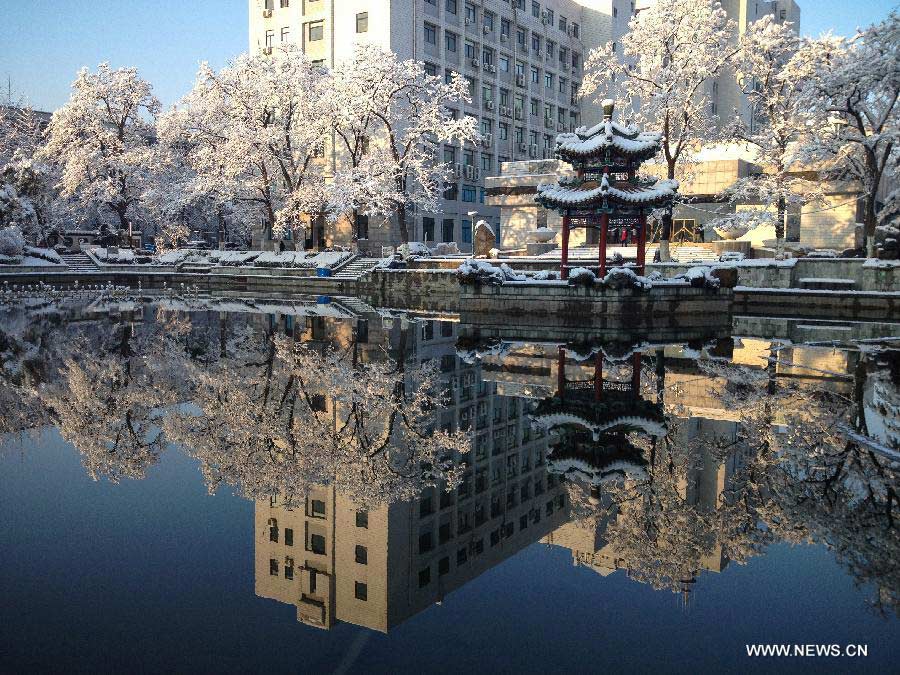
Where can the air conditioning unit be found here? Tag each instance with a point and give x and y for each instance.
(489, 105)
(574, 70)
(538, 53)
(504, 37)
(532, 151)
(267, 50)
(518, 113)
(570, 31)
(457, 170)
(573, 100)
(548, 122)
(468, 21)
(560, 126)
(545, 15)
(469, 172)
(492, 68)
(488, 139)
(267, 13)
(476, 63)
(545, 20)
(486, 29)
(477, 172)
(521, 147)
(520, 80)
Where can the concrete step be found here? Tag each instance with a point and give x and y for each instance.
(826, 284)
(78, 261)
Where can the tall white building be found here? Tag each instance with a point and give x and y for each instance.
(522, 58)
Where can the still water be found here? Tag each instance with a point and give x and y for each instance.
(319, 486)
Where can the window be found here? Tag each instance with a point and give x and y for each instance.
(289, 569)
(535, 74)
(535, 9)
(470, 12)
(563, 56)
(487, 56)
(574, 29)
(362, 555)
(450, 6)
(488, 21)
(288, 537)
(273, 530)
(563, 23)
(449, 41)
(470, 50)
(362, 226)
(548, 80)
(504, 131)
(520, 37)
(615, 12)
(285, 3)
(534, 107)
(563, 85)
(486, 123)
(425, 542)
(504, 64)
(447, 228)
(550, 17)
(317, 544)
(451, 193)
(467, 231)
(426, 508)
(431, 69)
(462, 555)
(273, 567)
(361, 591)
(428, 228)
(317, 508)
(523, 522)
(425, 577)
(551, 47)
(270, 37)
(430, 34)
(285, 34)
(468, 193)
(505, 27)
(443, 566)
(269, 4)
(316, 31)
(362, 22)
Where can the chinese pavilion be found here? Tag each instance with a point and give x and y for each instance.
(606, 193)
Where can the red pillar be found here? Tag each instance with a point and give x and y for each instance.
(636, 374)
(601, 254)
(598, 376)
(563, 265)
(561, 372)
(642, 243)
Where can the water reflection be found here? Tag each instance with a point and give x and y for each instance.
(392, 462)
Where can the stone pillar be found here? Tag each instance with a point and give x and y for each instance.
(561, 371)
(564, 260)
(636, 375)
(598, 376)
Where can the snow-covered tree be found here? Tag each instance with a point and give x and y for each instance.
(252, 135)
(102, 138)
(772, 75)
(852, 100)
(26, 184)
(389, 118)
(671, 52)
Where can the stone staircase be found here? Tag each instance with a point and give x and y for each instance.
(78, 262)
(356, 268)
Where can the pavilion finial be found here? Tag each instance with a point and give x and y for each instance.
(608, 105)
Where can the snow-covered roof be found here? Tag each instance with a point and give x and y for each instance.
(592, 192)
(626, 140)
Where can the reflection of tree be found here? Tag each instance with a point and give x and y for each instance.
(817, 476)
(106, 402)
(281, 417)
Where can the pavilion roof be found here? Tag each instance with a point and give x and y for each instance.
(627, 140)
(594, 193)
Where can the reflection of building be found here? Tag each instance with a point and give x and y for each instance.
(378, 567)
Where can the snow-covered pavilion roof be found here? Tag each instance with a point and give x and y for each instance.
(592, 193)
(627, 140)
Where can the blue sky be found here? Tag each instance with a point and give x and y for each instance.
(44, 42)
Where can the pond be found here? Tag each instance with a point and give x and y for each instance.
(322, 486)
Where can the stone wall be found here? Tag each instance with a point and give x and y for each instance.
(431, 289)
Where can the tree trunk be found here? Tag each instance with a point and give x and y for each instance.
(780, 228)
(666, 235)
(869, 222)
(402, 225)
